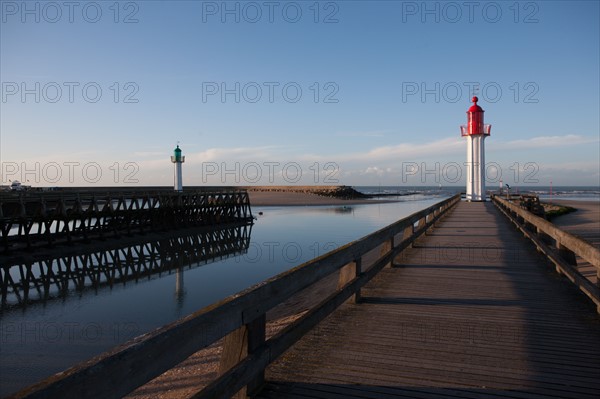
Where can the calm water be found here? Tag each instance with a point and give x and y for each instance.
(556, 193)
(47, 336)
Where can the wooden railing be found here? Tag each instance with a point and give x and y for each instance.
(560, 247)
(241, 319)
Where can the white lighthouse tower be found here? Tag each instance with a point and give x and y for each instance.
(475, 131)
(178, 160)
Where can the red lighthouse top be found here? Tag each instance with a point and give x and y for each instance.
(475, 125)
(475, 107)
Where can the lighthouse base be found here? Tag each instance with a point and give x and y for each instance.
(475, 198)
(475, 190)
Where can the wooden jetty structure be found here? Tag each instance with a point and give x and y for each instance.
(44, 276)
(35, 219)
(452, 301)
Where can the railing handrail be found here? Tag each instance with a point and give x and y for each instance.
(132, 364)
(562, 251)
(579, 246)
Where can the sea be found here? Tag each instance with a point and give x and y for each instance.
(56, 327)
(545, 193)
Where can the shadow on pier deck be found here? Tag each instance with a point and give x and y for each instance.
(471, 311)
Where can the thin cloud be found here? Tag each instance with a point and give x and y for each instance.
(545, 142)
(444, 147)
(263, 153)
(154, 167)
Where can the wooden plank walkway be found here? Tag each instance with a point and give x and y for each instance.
(472, 311)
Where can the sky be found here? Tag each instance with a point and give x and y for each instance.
(297, 92)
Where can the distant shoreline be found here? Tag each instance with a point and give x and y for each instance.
(312, 196)
(286, 198)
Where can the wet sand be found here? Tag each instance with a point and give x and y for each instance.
(585, 222)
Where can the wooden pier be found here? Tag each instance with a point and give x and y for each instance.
(471, 311)
(452, 301)
(33, 220)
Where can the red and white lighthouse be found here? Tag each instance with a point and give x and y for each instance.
(475, 131)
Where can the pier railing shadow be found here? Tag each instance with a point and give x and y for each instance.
(241, 320)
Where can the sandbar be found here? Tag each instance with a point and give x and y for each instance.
(284, 198)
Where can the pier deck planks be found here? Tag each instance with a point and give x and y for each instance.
(472, 311)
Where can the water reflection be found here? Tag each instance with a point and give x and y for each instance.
(344, 209)
(97, 267)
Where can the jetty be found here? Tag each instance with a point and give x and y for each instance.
(459, 300)
(31, 220)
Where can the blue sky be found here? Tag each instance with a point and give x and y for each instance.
(329, 92)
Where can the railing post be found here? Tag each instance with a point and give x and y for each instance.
(408, 232)
(545, 238)
(566, 254)
(422, 223)
(240, 343)
(358, 271)
(386, 247)
(348, 273)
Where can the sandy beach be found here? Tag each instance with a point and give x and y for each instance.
(585, 222)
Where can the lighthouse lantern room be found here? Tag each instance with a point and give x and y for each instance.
(475, 131)
(178, 160)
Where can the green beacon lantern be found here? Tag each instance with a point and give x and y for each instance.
(178, 160)
(177, 154)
